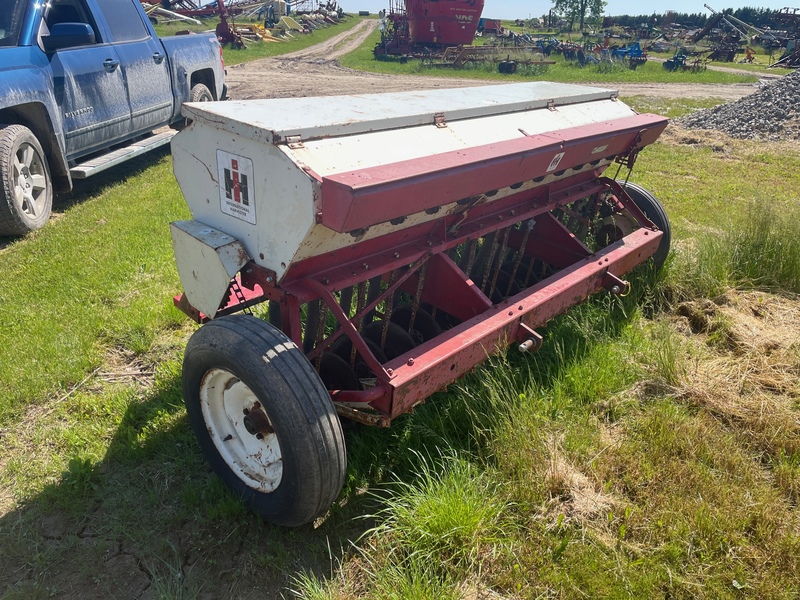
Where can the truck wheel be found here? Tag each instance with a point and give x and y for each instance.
(263, 419)
(653, 210)
(27, 188)
(200, 93)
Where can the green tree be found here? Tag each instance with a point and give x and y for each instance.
(579, 10)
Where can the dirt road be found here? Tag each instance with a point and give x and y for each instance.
(315, 71)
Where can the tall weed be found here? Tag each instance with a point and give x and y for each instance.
(759, 248)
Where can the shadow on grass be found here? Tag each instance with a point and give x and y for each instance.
(83, 189)
(151, 520)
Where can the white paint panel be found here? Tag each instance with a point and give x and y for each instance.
(266, 121)
(206, 259)
(342, 154)
(284, 195)
(341, 134)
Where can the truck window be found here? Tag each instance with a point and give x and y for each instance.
(124, 20)
(11, 13)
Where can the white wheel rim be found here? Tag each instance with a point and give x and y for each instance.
(224, 400)
(30, 181)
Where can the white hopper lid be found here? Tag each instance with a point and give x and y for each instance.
(273, 120)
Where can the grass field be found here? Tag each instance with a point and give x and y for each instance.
(650, 449)
(564, 71)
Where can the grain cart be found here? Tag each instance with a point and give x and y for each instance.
(398, 239)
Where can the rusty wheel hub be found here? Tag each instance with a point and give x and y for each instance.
(256, 421)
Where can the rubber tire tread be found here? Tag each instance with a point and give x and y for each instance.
(198, 91)
(298, 405)
(195, 95)
(11, 222)
(653, 210)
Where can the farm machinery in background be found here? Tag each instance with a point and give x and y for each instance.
(728, 35)
(307, 16)
(685, 62)
(632, 55)
(731, 36)
(420, 27)
(194, 10)
(790, 17)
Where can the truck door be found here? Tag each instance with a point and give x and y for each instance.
(88, 83)
(143, 61)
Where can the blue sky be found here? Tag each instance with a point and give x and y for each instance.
(517, 9)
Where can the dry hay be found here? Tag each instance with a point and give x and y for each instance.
(723, 144)
(475, 590)
(572, 492)
(751, 379)
(122, 365)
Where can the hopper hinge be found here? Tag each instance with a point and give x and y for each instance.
(438, 120)
(294, 141)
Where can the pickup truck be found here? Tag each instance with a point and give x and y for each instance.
(84, 84)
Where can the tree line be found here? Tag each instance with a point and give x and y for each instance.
(758, 17)
(583, 12)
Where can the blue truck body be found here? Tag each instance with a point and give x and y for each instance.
(86, 78)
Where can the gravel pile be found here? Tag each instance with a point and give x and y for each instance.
(772, 113)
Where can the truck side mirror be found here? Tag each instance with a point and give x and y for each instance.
(68, 35)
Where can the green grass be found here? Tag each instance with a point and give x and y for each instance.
(757, 248)
(629, 458)
(670, 107)
(444, 516)
(93, 282)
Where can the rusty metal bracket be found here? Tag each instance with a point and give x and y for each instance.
(294, 142)
(615, 285)
(533, 341)
(181, 302)
(628, 203)
(438, 120)
(253, 274)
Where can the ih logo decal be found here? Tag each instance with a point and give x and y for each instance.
(236, 186)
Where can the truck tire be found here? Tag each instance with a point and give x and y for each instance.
(200, 93)
(263, 419)
(27, 198)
